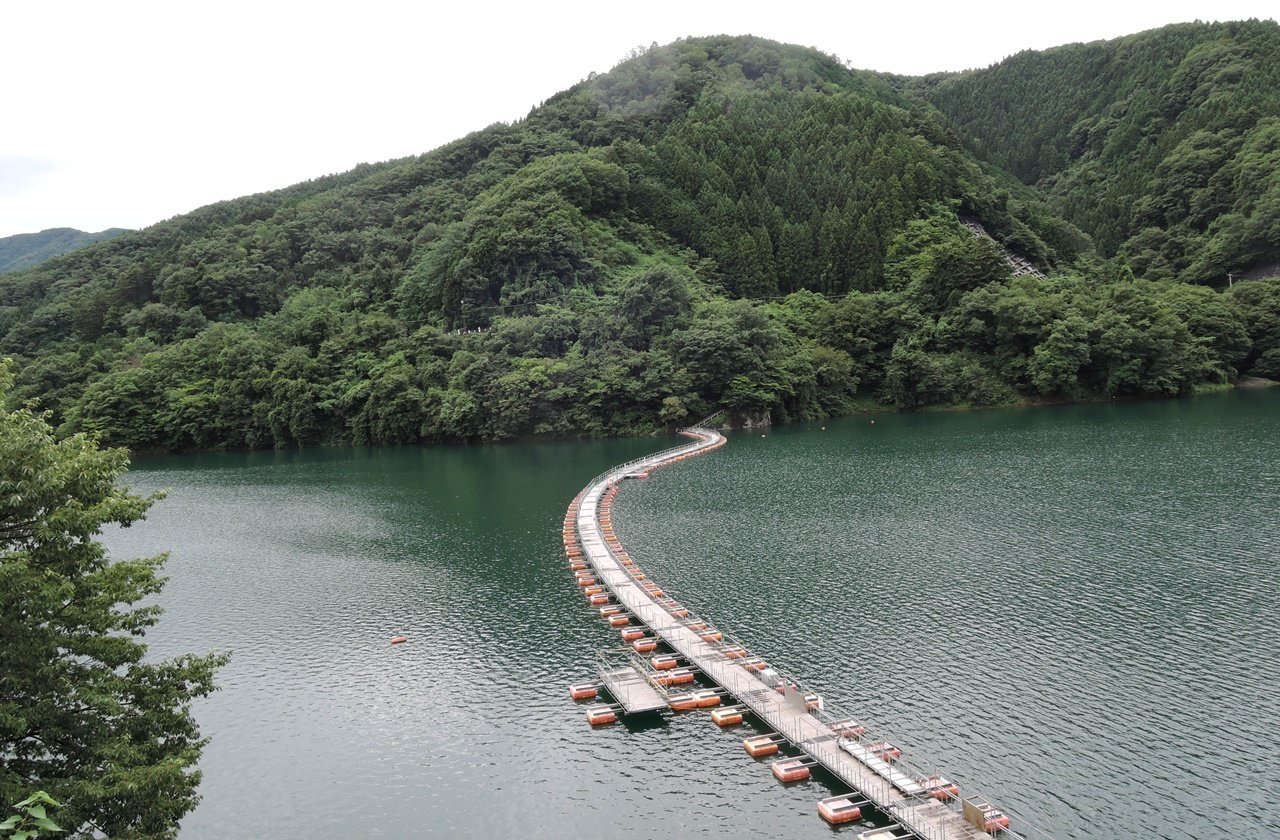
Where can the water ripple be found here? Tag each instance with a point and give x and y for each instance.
(1076, 618)
(1073, 610)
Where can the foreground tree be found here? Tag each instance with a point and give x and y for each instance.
(31, 819)
(81, 715)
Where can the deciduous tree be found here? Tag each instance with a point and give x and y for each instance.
(82, 715)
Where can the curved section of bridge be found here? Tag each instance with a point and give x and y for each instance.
(923, 803)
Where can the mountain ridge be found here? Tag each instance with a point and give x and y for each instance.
(717, 222)
(24, 250)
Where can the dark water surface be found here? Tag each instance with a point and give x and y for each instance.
(1073, 610)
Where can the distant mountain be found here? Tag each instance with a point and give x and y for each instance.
(27, 249)
(1164, 146)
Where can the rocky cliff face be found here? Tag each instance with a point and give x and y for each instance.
(749, 419)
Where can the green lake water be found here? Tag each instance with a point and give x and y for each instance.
(1073, 610)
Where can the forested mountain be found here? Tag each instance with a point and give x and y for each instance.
(720, 222)
(1164, 146)
(24, 250)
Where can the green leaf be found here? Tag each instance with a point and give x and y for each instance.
(82, 645)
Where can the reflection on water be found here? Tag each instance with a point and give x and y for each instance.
(1072, 609)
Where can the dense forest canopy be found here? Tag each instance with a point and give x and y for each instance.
(719, 222)
(1163, 146)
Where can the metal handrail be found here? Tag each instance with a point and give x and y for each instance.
(706, 421)
(662, 454)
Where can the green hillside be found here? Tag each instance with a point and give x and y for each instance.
(1164, 146)
(24, 250)
(720, 222)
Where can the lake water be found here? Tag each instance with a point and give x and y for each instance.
(1074, 610)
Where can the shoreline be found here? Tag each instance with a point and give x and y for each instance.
(1244, 383)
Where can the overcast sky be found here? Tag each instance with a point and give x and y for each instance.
(122, 114)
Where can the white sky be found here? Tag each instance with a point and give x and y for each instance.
(121, 114)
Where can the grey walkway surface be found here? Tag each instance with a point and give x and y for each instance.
(896, 793)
